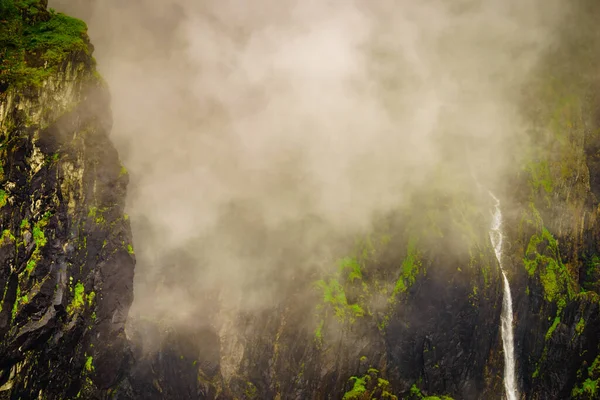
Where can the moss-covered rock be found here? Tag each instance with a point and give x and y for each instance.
(35, 42)
(66, 280)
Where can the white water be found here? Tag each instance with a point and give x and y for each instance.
(508, 344)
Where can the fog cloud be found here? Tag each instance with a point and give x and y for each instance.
(257, 133)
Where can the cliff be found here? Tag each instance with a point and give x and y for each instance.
(65, 253)
(554, 228)
(410, 309)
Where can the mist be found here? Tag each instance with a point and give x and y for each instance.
(259, 135)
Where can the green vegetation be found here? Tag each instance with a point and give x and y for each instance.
(130, 249)
(90, 298)
(3, 198)
(38, 234)
(539, 176)
(552, 327)
(34, 41)
(590, 272)
(20, 301)
(96, 214)
(348, 293)
(79, 297)
(89, 367)
(411, 266)
(357, 390)
(352, 264)
(580, 326)
(25, 224)
(39, 239)
(542, 256)
(334, 295)
(415, 392)
(590, 387)
(251, 391)
(319, 332)
(7, 235)
(369, 386)
(79, 292)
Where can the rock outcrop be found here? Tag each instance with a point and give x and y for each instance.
(66, 261)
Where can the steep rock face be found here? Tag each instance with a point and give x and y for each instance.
(65, 254)
(413, 310)
(553, 230)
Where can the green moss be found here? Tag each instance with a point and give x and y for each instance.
(97, 214)
(589, 389)
(20, 301)
(31, 265)
(34, 41)
(552, 327)
(540, 176)
(382, 324)
(408, 271)
(594, 369)
(251, 392)
(38, 234)
(552, 273)
(486, 272)
(89, 367)
(351, 263)
(335, 296)
(7, 235)
(580, 326)
(39, 239)
(591, 271)
(79, 292)
(358, 389)
(416, 392)
(90, 298)
(78, 297)
(319, 331)
(16, 303)
(3, 198)
(130, 249)
(123, 171)
(25, 224)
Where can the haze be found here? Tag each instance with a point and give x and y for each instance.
(259, 134)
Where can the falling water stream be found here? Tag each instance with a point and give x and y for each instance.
(510, 382)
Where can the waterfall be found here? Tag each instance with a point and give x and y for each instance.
(508, 344)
